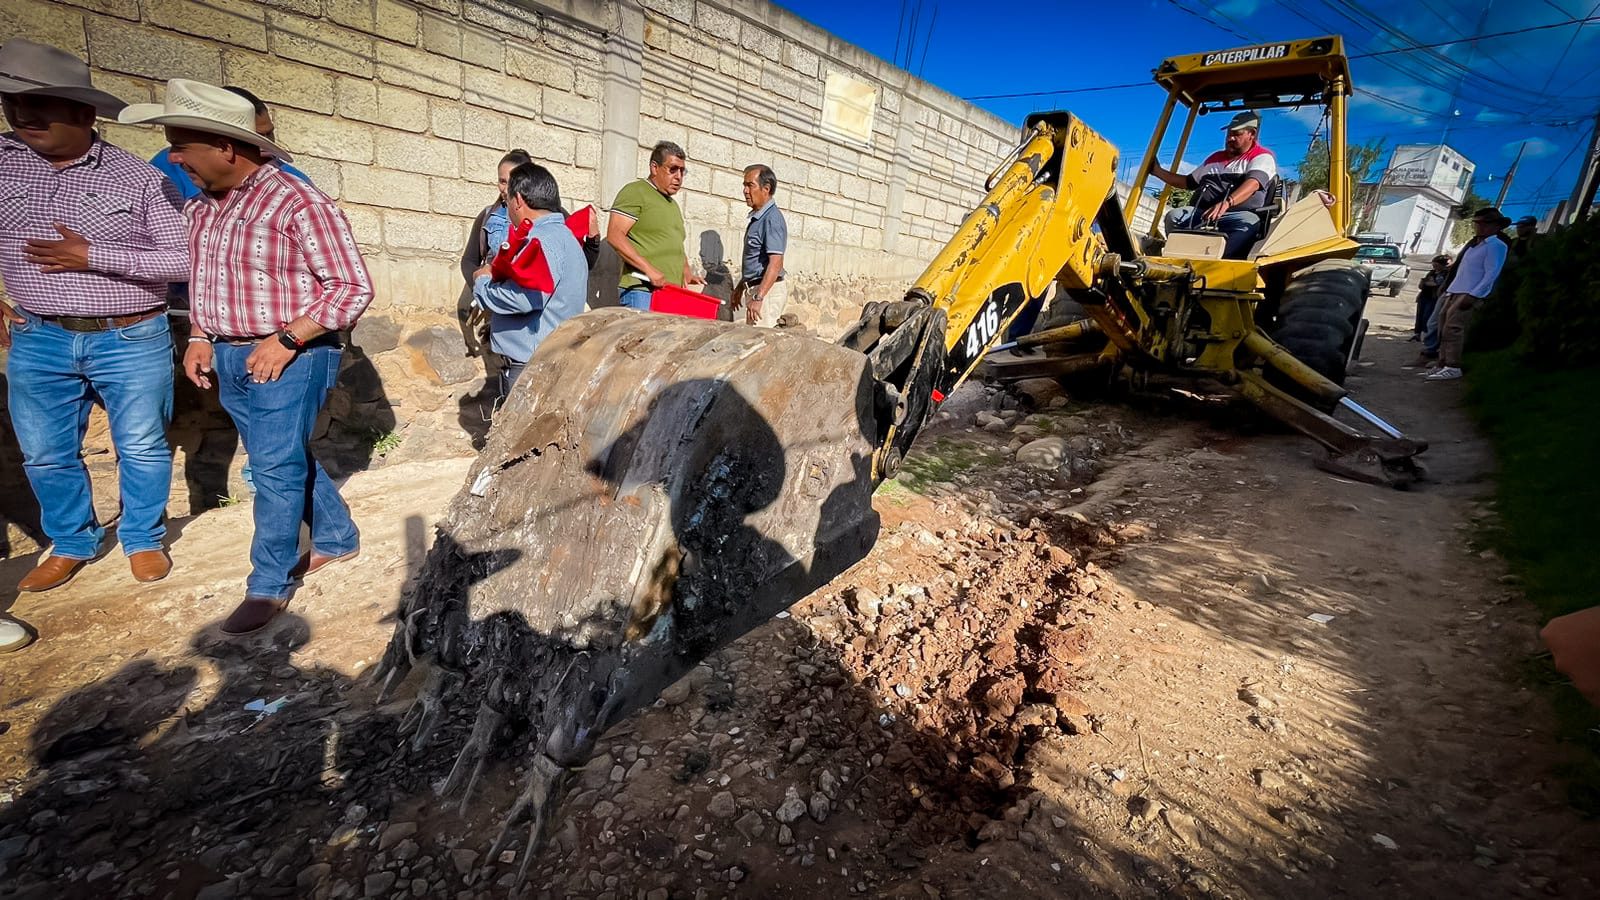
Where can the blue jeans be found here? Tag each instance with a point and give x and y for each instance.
(55, 376)
(637, 298)
(275, 420)
(1431, 336)
(1239, 229)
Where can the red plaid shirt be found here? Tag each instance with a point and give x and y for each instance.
(272, 250)
(120, 203)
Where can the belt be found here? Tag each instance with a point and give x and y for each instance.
(332, 338)
(102, 323)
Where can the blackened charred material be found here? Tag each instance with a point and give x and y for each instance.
(631, 513)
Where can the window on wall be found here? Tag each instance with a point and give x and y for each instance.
(848, 106)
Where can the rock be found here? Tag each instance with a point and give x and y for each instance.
(658, 894)
(354, 814)
(820, 807)
(995, 830)
(985, 419)
(1044, 453)
(1183, 826)
(375, 334)
(1143, 809)
(1269, 724)
(1035, 715)
(378, 884)
(723, 805)
(440, 355)
(1041, 392)
(311, 876)
(396, 833)
(1000, 695)
(463, 859)
(792, 807)
(750, 825)
(677, 692)
(1251, 696)
(998, 426)
(13, 847)
(785, 836)
(1384, 841)
(1267, 779)
(406, 850)
(1293, 818)
(828, 783)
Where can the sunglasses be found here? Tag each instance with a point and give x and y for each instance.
(672, 170)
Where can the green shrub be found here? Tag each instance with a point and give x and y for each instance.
(1558, 298)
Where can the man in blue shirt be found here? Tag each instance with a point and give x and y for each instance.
(521, 317)
(761, 288)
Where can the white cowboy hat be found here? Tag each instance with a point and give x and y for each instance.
(207, 108)
(40, 70)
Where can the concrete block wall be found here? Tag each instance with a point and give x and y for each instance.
(401, 111)
(743, 83)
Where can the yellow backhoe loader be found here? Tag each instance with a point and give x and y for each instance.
(659, 486)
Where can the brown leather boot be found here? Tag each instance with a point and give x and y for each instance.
(149, 565)
(52, 573)
(253, 615)
(313, 561)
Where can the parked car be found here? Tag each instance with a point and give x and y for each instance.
(1372, 237)
(1385, 265)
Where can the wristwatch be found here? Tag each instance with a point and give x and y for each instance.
(289, 341)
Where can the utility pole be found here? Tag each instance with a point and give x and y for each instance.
(1583, 192)
(1505, 185)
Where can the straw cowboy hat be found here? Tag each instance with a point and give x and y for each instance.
(207, 108)
(39, 70)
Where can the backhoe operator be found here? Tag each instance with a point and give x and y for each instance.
(1229, 187)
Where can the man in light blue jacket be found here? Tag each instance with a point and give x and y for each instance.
(520, 317)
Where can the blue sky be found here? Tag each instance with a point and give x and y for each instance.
(1541, 86)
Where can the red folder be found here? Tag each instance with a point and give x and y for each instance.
(521, 260)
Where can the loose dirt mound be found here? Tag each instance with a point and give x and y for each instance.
(980, 650)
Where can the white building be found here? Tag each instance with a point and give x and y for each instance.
(1418, 190)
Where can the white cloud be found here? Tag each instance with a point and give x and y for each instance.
(1238, 9)
(1535, 148)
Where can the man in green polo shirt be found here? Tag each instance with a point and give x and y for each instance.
(646, 229)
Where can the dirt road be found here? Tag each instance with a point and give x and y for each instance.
(1100, 677)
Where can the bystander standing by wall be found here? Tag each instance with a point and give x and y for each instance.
(276, 276)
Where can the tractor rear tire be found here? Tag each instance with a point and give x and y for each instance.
(1318, 316)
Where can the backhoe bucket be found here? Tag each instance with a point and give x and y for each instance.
(654, 488)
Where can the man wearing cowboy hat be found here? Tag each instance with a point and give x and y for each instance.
(276, 276)
(1229, 187)
(1476, 271)
(90, 235)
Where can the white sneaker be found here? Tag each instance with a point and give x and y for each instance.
(13, 636)
(1446, 373)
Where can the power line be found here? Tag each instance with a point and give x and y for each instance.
(927, 40)
(1084, 90)
(1565, 50)
(1209, 21)
(1474, 39)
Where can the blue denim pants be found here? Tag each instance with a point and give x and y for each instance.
(1240, 229)
(54, 377)
(636, 298)
(275, 420)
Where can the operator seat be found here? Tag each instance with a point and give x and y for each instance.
(1207, 243)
